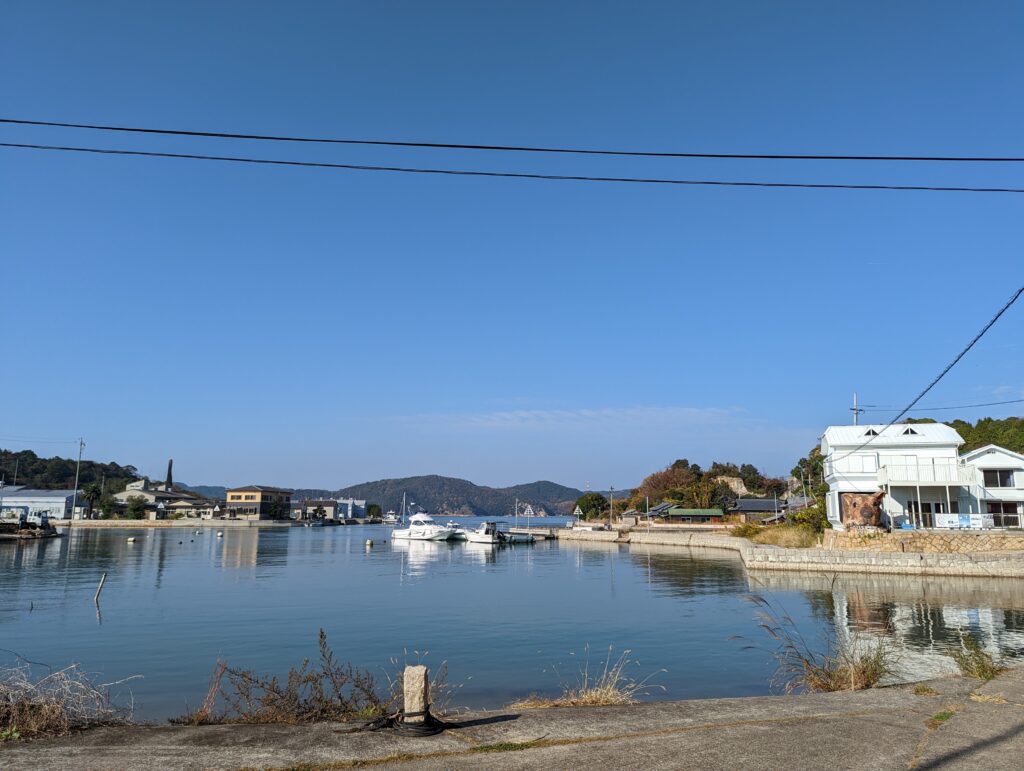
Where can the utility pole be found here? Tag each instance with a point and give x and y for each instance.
(16, 461)
(78, 467)
(856, 410)
(611, 505)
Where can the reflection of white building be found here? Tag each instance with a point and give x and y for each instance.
(924, 480)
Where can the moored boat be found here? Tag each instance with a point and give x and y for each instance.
(422, 527)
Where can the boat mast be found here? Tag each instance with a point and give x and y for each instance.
(517, 512)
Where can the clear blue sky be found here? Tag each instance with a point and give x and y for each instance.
(303, 327)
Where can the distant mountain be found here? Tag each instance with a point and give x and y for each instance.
(211, 492)
(447, 496)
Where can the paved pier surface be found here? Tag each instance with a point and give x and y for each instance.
(979, 725)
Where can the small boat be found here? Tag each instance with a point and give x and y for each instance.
(391, 518)
(459, 533)
(487, 533)
(422, 527)
(313, 523)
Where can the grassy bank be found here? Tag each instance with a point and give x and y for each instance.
(788, 536)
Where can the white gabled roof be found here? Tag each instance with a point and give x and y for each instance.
(975, 454)
(890, 436)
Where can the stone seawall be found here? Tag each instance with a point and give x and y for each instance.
(759, 557)
(926, 542)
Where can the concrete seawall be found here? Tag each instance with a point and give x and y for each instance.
(160, 523)
(759, 557)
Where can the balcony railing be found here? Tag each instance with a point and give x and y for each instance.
(925, 474)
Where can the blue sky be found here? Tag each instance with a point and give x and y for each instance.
(302, 327)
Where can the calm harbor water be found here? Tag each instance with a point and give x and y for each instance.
(508, 621)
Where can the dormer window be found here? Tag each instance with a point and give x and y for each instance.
(871, 432)
(910, 432)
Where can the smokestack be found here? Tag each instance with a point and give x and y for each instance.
(169, 484)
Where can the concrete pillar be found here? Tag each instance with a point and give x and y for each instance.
(416, 687)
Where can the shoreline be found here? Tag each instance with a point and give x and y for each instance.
(762, 557)
(954, 722)
(127, 524)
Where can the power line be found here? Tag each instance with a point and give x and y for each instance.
(513, 175)
(956, 407)
(519, 148)
(941, 375)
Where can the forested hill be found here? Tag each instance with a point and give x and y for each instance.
(1005, 432)
(59, 473)
(446, 496)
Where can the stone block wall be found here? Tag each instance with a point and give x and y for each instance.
(924, 542)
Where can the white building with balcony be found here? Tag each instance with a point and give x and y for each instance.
(925, 482)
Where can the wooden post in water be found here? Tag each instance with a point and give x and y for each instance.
(416, 694)
(99, 589)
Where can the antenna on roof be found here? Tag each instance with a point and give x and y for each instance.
(856, 410)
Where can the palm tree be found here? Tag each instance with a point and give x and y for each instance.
(91, 493)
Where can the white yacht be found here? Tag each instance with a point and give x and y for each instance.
(422, 528)
(391, 518)
(487, 533)
(459, 533)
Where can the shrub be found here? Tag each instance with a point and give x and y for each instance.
(973, 661)
(746, 530)
(333, 691)
(53, 705)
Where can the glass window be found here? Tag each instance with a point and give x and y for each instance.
(998, 477)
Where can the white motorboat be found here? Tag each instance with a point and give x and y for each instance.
(391, 518)
(422, 527)
(459, 533)
(487, 533)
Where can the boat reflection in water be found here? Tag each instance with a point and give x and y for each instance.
(417, 556)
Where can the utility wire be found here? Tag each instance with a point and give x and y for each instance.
(957, 407)
(941, 375)
(519, 148)
(513, 175)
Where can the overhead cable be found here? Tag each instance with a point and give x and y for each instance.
(520, 148)
(512, 175)
(942, 374)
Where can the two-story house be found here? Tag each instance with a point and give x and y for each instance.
(258, 502)
(997, 484)
(915, 467)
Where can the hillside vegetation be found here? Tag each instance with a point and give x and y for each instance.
(59, 473)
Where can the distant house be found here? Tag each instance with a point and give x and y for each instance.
(672, 512)
(56, 504)
(757, 509)
(258, 502)
(327, 509)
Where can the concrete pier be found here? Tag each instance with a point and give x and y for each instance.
(953, 723)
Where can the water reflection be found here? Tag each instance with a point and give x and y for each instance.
(924, 616)
(687, 572)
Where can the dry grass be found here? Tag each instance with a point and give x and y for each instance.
(850, 663)
(924, 690)
(788, 536)
(54, 705)
(612, 686)
(331, 691)
(973, 661)
(986, 698)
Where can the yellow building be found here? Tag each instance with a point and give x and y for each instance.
(259, 502)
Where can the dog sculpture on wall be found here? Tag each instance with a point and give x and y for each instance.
(862, 509)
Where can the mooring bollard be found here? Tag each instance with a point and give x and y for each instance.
(416, 687)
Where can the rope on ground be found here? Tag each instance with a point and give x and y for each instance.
(396, 722)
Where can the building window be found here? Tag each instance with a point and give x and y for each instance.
(998, 478)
